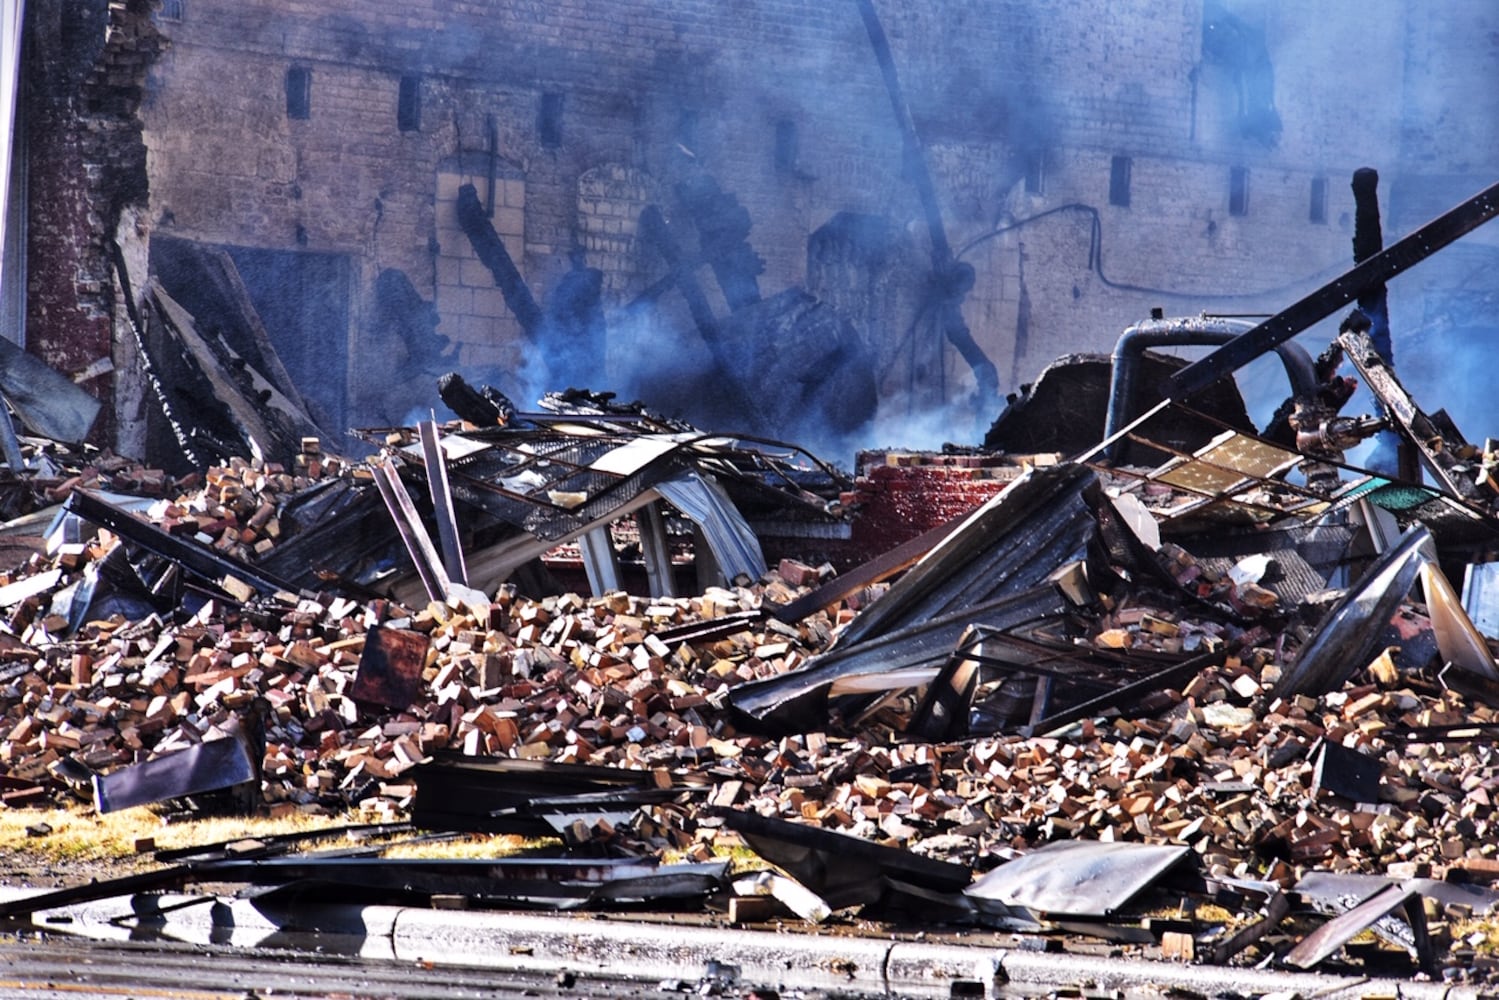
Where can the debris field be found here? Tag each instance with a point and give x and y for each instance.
(1181, 661)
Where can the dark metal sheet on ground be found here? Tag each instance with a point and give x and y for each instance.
(1325, 941)
(843, 870)
(1348, 634)
(216, 764)
(561, 882)
(1078, 878)
(523, 796)
(1336, 892)
(1340, 770)
(1302, 558)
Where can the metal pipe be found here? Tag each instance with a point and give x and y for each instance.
(1184, 331)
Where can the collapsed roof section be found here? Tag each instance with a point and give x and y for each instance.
(1221, 542)
(566, 474)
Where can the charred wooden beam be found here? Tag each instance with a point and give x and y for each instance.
(656, 232)
(723, 227)
(493, 255)
(951, 279)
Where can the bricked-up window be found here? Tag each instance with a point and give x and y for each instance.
(788, 145)
(1238, 191)
(549, 121)
(172, 10)
(299, 92)
(1035, 173)
(409, 104)
(1119, 170)
(1318, 211)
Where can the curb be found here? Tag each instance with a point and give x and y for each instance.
(602, 944)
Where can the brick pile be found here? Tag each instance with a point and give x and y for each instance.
(1221, 765)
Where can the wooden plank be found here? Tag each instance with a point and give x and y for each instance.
(882, 567)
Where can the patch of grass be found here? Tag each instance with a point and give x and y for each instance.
(1481, 934)
(477, 845)
(57, 837)
(62, 835)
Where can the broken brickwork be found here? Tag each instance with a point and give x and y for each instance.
(899, 495)
(84, 80)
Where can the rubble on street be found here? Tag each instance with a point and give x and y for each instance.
(1120, 689)
(1060, 685)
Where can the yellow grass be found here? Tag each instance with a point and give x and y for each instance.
(1481, 934)
(81, 835)
(471, 846)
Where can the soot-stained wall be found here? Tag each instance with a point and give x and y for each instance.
(1091, 159)
(85, 64)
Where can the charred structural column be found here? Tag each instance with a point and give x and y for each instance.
(84, 70)
(490, 250)
(950, 279)
(1390, 455)
(1368, 240)
(656, 233)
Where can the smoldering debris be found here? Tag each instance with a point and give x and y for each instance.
(1230, 672)
(1116, 689)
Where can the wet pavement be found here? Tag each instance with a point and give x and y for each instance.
(381, 951)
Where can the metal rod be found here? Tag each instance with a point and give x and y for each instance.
(442, 502)
(413, 534)
(200, 560)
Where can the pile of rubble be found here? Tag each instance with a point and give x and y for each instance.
(1228, 666)
(1175, 709)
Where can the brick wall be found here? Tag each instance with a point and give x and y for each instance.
(652, 90)
(85, 69)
